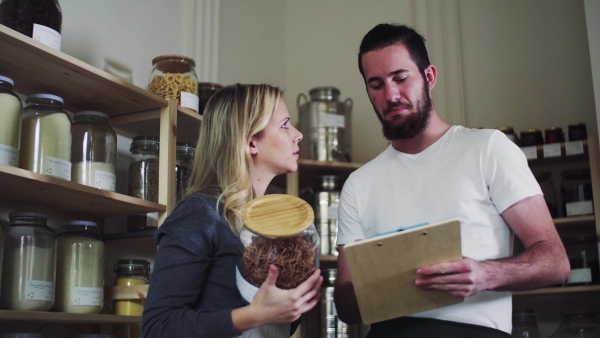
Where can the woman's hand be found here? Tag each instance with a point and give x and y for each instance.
(276, 305)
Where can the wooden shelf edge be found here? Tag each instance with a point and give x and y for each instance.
(328, 164)
(563, 221)
(62, 317)
(558, 290)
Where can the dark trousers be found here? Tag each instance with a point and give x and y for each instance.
(408, 327)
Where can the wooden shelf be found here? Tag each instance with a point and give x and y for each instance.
(559, 290)
(67, 318)
(21, 185)
(574, 220)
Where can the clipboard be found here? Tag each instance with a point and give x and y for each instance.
(383, 269)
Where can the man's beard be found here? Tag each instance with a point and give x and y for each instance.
(413, 123)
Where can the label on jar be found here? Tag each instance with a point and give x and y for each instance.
(58, 168)
(574, 148)
(551, 150)
(9, 155)
(530, 152)
(88, 296)
(105, 180)
(189, 100)
(152, 220)
(39, 290)
(46, 35)
(331, 120)
(580, 276)
(580, 208)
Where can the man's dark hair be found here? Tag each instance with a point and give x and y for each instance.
(384, 35)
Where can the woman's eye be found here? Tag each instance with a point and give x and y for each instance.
(285, 124)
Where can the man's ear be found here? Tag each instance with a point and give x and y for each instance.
(253, 146)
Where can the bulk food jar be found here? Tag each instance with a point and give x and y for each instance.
(10, 128)
(38, 19)
(29, 267)
(79, 268)
(130, 272)
(184, 154)
(143, 178)
(174, 77)
(46, 137)
(93, 151)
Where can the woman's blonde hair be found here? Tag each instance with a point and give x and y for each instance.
(223, 162)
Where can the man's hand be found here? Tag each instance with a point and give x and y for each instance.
(460, 278)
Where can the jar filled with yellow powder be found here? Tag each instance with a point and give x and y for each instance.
(130, 272)
(10, 128)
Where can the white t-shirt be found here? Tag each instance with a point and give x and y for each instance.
(469, 174)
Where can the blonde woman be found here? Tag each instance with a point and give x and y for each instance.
(246, 139)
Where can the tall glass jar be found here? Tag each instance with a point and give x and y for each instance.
(205, 91)
(10, 128)
(46, 137)
(278, 229)
(524, 324)
(130, 272)
(38, 19)
(183, 167)
(93, 151)
(79, 268)
(577, 195)
(326, 200)
(143, 178)
(28, 275)
(174, 77)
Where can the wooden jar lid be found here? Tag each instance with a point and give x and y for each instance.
(277, 215)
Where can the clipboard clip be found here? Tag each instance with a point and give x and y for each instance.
(400, 230)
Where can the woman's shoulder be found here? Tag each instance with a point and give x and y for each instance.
(196, 213)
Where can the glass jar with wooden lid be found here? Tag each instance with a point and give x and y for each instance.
(174, 77)
(278, 229)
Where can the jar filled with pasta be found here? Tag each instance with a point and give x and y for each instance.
(174, 77)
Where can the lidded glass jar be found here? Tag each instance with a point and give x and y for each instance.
(554, 135)
(93, 151)
(278, 229)
(524, 324)
(28, 274)
(79, 268)
(10, 128)
(184, 155)
(577, 131)
(577, 193)
(174, 77)
(38, 19)
(544, 179)
(143, 178)
(46, 137)
(205, 91)
(130, 272)
(326, 200)
(531, 137)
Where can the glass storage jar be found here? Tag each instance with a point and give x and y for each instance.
(184, 155)
(576, 189)
(524, 324)
(130, 272)
(10, 128)
(278, 229)
(38, 19)
(143, 178)
(28, 274)
(544, 179)
(554, 135)
(326, 200)
(531, 137)
(205, 91)
(174, 77)
(93, 151)
(577, 131)
(79, 268)
(46, 137)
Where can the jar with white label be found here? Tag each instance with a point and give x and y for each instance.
(576, 188)
(79, 268)
(46, 137)
(174, 77)
(38, 19)
(29, 270)
(10, 128)
(93, 151)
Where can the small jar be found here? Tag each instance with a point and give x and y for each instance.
(576, 189)
(326, 200)
(130, 272)
(93, 151)
(174, 77)
(10, 128)
(79, 268)
(531, 137)
(46, 137)
(509, 132)
(577, 132)
(38, 19)
(544, 179)
(205, 91)
(554, 135)
(28, 274)
(184, 156)
(278, 229)
(143, 177)
(524, 324)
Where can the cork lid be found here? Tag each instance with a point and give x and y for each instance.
(277, 215)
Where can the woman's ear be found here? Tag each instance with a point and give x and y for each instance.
(253, 146)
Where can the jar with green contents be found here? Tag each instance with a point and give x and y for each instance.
(79, 268)
(29, 268)
(93, 151)
(143, 179)
(130, 272)
(46, 137)
(10, 128)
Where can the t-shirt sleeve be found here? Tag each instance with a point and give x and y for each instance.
(349, 228)
(508, 173)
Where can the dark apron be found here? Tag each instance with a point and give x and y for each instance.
(408, 327)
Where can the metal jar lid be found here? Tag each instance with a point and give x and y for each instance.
(324, 93)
